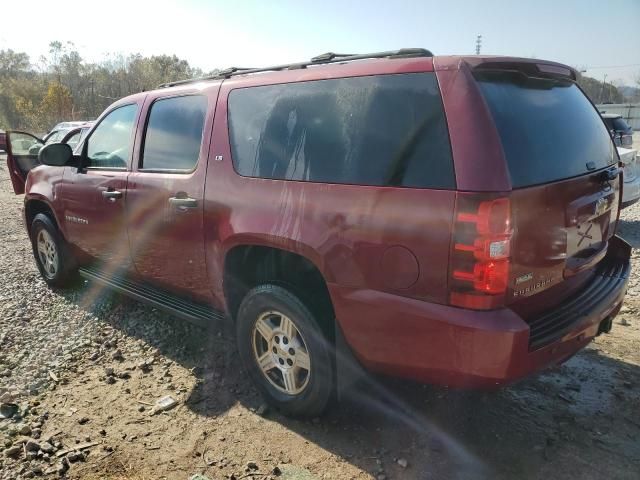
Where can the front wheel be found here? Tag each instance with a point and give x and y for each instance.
(51, 253)
(285, 351)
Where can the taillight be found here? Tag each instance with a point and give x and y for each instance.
(481, 249)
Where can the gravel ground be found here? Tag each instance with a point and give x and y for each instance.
(86, 367)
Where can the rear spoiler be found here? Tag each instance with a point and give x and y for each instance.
(530, 69)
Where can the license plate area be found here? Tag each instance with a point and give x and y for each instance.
(585, 237)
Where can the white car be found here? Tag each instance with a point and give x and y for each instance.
(631, 176)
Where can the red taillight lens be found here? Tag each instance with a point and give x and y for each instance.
(481, 249)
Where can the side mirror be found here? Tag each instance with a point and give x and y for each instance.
(56, 155)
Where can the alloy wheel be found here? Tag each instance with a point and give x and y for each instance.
(281, 352)
(48, 253)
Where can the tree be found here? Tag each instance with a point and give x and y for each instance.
(600, 91)
(57, 105)
(62, 86)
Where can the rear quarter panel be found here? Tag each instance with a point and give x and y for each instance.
(388, 239)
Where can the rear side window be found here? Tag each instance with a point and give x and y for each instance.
(174, 133)
(549, 130)
(376, 130)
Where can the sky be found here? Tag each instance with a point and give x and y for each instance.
(600, 36)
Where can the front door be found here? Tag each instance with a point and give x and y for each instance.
(165, 195)
(22, 156)
(94, 195)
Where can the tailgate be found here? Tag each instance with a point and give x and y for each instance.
(565, 181)
(562, 229)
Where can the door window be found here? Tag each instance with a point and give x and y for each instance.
(110, 144)
(174, 133)
(24, 144)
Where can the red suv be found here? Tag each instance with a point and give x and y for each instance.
(436, 217)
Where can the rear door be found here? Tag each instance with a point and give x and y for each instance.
(564, 174)
(165, 194)
(22, 156)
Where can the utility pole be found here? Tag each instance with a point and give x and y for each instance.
(478, 44)
(604, 82)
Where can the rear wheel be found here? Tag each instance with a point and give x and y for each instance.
(285, 351)
(51, 253)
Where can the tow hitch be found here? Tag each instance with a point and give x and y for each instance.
(605, 325)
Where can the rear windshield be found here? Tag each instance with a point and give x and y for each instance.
(385, 130)
(549, 130)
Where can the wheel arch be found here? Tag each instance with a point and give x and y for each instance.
(251, 264)
(33, 206)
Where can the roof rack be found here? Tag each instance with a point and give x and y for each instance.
(329, 57)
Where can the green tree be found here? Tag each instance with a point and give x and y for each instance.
(57, 105)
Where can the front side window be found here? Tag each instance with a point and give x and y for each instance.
(174, 133)
(110, 144)
(374, 130)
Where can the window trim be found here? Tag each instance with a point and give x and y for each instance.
(143, 139)
(454, 179)
(85, 141)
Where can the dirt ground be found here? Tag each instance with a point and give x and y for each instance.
(85, 367)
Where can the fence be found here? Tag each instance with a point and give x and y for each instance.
(629, 111)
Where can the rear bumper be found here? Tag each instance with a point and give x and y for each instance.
(463, 348)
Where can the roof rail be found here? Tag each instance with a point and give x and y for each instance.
(324, 58)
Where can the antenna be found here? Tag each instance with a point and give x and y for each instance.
(478, 44)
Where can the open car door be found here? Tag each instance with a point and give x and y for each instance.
(22, 156)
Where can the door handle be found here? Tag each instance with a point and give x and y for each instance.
(111, 195)
(183, 202)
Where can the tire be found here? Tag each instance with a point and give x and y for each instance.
(54, 261)
(275, 312)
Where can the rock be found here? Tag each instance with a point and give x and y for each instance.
(62, 466)
(8, 410)
(46, 447)
(102, 432)
(13, 451)
(31, 446)
(7, 397)
(110, 380)
(624, 322)
(124, 375)
(94, 356)
(83, 420)
(141, 408)
(24, 430)
(263, 409)
(144, 366)
(117, 355)
(252, 465)
(276, 471)
(75, 456)
(108, 371)
(402, 462)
